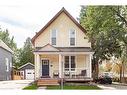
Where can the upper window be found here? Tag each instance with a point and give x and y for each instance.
(72, 37)
(53, 37)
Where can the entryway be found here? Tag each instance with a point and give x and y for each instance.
(45, 68)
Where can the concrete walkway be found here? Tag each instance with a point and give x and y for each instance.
(14, 84)
(106, 88)
(42, 88)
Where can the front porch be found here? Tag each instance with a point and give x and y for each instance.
(67, 66)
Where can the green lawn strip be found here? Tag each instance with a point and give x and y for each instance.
(72, 87)
(31, 87)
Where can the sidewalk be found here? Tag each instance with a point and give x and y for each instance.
(14, 84)
(117, 83)
(106, 88)
(41, 88)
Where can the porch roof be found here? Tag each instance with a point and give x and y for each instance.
(66, 49)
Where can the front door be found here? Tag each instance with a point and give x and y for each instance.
(45, 68)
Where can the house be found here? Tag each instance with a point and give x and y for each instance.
(62, 50)
(27, 71)
(6, 57)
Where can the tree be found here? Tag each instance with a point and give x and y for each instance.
(26, 53)
(105, 27)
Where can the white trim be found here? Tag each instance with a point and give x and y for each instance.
(70, 37)
(7, 64)
(70, 62)
(75, 53)
(26, 64)
(51, 37)
(49, 65)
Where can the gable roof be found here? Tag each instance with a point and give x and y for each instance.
(4, 46)
(26, 65)
(67, 13)
(47, 47)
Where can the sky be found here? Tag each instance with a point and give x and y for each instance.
(23, 18)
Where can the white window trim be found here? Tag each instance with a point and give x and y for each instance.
(70, 63)
(7, 64)
(51, 37)
(70, 37)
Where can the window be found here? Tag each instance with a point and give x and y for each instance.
(69, 63)
(72, 37)
(7, 64)
(72, 63)
(66, 65)
(53, 37)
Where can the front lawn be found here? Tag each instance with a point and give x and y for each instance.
(74, 87)
(65, 87)
(31, 87)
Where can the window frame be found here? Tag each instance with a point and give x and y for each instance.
(70, 64)
(53, 37)
(7, 64)
(71, 37)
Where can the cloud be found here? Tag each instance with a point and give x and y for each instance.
(23, 18)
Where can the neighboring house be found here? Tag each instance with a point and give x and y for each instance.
(6, 56)
(62, 50)
(27, 71)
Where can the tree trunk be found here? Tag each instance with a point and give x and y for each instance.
(123, 78)
(95, 68)
(120, 73)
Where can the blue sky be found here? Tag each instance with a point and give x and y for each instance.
(23, 18)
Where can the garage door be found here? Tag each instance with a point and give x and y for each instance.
(29, 74)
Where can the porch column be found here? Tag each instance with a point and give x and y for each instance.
(60, 66)
(37, 66)
(90, 66)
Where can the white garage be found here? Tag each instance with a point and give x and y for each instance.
(29, 74)
(27, 71)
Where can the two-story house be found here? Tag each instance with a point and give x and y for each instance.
(62, 50)
(6, 57)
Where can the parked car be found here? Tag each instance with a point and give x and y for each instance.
(104, 80)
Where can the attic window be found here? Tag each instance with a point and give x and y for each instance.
(53, 37)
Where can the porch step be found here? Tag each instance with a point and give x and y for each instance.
(47, 81)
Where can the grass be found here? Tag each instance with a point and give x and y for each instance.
(31, 87)
(66, 87)
(74, 87)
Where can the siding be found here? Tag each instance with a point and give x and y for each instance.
(63, 24)
(3, 73)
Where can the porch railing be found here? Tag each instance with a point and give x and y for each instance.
(75, 73)
(72, 73)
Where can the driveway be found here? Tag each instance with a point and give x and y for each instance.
(113, 87)
(14, 84)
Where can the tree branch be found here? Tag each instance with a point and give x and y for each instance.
(120, 16)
